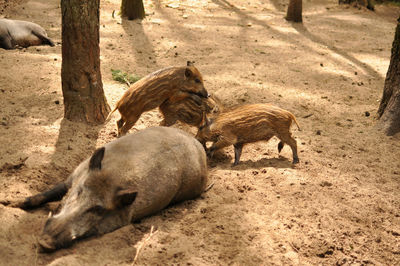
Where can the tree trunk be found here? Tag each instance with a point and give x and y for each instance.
(294, 11)
(132, 9)
(389, 109)
(82, 87)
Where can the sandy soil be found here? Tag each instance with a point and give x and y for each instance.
(340, 205)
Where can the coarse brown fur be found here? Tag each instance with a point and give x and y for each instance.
(189, 110)
(18, 33)
(246, 124)
(173, 83)
(126, 180)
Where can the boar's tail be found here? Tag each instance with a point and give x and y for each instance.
(294, 119)
(110, 114)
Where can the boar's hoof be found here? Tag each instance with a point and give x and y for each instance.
(295, 160)
(46, 243)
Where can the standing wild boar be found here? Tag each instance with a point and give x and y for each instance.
(246, 124)
(173, 83)
(126, 180)
(189, 110)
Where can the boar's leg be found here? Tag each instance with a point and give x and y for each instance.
(238, 152)
(288, 139)
(54, 194)
(6, 41)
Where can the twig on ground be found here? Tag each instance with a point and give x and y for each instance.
(293, 247)
(209, 187)
(152, 233)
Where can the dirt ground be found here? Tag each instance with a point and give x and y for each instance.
(340, 205)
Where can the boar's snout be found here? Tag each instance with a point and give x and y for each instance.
(46, 243)
(49, 243)
(54, 237)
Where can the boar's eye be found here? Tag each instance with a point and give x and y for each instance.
(99, 210)
(197, 81)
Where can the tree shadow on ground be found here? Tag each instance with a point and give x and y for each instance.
(226, 163)
(75, 142)
(141, 44)
(299, 27)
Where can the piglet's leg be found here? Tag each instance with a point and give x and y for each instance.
(238, 152)
(288, 139)
(128, 125)
(54, 194)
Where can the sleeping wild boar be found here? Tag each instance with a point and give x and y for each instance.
(246, 124)
(174, 83)
(189, 110)
(127, 179)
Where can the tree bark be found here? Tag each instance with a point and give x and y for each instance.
(294, 11)
(389, 108)
(132, 9)
(82, 87)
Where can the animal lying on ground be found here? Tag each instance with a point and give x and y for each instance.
(127, 179)
(173, 84)
(189, 110)
(15, 33)
(246, 124)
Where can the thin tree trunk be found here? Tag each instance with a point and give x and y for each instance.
(132, 9)
(294, 11)
(389, 109)
(82, 87)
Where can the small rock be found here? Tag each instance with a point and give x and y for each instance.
(325, 184)
(57, 102)
(318, 132)
(367, 114)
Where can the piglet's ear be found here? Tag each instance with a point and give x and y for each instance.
(125, 197)
(189, 63)
(188, 73)
(95, 160)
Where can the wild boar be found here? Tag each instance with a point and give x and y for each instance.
(20, 33)
(125, 180)
(189, 110)
(246, 124)
(173, 83)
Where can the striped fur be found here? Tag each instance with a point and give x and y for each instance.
(173, 83)
(247, 124)
(189, 110)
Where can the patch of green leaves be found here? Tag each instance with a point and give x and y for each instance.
(124, 77)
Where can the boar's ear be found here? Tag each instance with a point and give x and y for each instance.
(125, 197)
(188, 73)
(95, 160)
